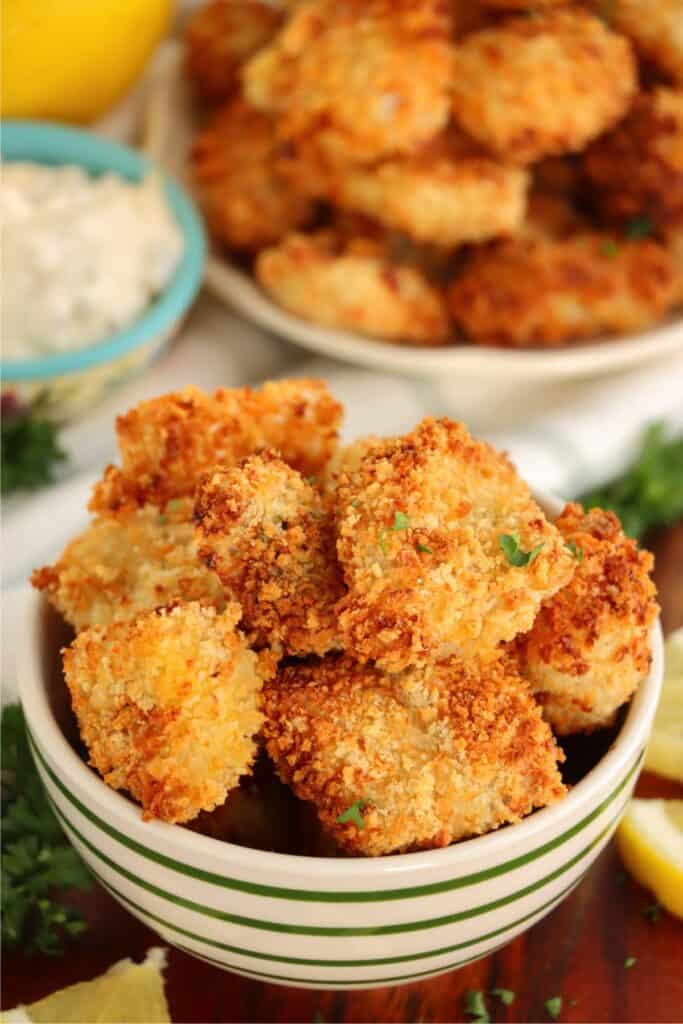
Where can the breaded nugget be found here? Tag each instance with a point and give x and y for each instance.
(543, 85)
(264, 530)
(589, 647)
(220, 36)
(521, 5)
(421, 528)
(354, 286)
(636, 171)
(674, 246)
(346, 460)
(247, 204)
(168, 705)
(167, 443)
(552, 216)
(656, 28)
(122, 565)
(536, 293)
(370, 77)
(421, 759)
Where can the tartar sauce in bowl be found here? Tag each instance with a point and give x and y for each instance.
(82, 256)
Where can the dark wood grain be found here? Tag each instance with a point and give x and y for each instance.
(577, 952)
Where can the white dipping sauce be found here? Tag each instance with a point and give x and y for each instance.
(81, 257)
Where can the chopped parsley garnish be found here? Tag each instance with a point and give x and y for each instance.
(639, 227)
(554, 1006)
(630, 961)
(576, 551)
(424, 549)
(475, 1005)
(653, 912)
(609, 248)
(401, 521)
(509, 544)
(36, 857)
(353, 814)
(29, 452)
(506, 995)
(650, 493)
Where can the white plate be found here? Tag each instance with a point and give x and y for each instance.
(171, 123)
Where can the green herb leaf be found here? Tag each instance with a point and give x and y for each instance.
(575, 550)
(630, 961)
(36, 858)
(424, 549)
(639, 227)
(353, 814)
(653, 912)
(554, 1006)
(609, 248)
(401, 521)
(29, 452)
(650, 493)
(509, 544)
(475, 1006)
(506, 995)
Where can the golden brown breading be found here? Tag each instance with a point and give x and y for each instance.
(656, 28)
(168, 705)
(543, 85)
(636, 171)
(247, 204)
(674, 246)
(264, 530)
(346, 459)
(370, 77)
(167, 443)
(521, 5)
(531, 293)
(589, 647)
(552, 216)
(433, 755)
(220, 36)
(420, 525)
(354, 286)
(125, 564)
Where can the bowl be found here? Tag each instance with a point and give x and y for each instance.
(326, 923)
(66, 383)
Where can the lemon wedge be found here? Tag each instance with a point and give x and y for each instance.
(127, 993)
(664, 754)
(650, 841)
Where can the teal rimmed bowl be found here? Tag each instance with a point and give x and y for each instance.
(69, 382)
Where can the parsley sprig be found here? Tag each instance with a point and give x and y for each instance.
(353, 814)
(475, 1006)
(510, 546)
(29, 451)
(36, 858)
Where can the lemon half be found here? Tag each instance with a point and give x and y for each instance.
(664, 754)
(650, 841)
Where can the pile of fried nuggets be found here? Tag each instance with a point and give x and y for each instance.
(507, 171)
(396, 622)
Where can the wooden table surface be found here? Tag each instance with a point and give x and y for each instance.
(577, 952)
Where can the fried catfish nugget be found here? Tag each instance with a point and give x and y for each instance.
(265, 532)
(247, 204)
(636, 171)
(168, 705)
(420, 759)
(421, 524)
(353, 285)
(220, 36)
(167, 443)
(370, 77)
(656, 28)
(542, 85)
(539, 293)
(125, 564)
(589, 647)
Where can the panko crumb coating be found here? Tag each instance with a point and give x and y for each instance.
(126, 564)
(542, 85)
(434, 756)
(419, 528)
(551, 216)
(167, 443)
(370, 77)
(589, 647)
(541, 293)
(353, 285)
(654, 26)
(264, 530)
(168, 705)
(247, 204)
(220, 36)
(636, 170)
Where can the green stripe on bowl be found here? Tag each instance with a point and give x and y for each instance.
(305, 962)
(299, 929)
(322, 896)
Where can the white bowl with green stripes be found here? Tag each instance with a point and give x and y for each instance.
(327, 923)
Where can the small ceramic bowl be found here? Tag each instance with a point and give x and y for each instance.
(326, 923)
(69, 382)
